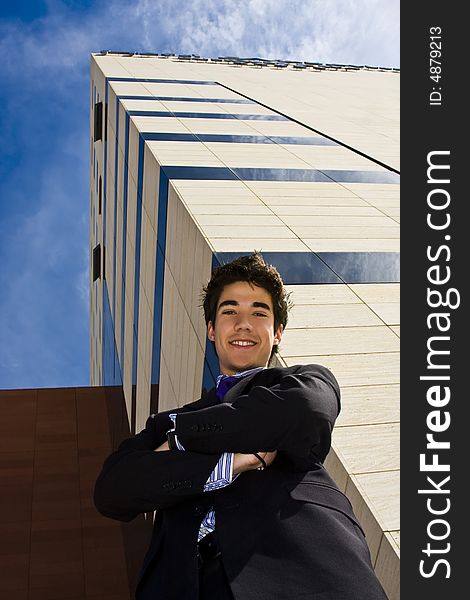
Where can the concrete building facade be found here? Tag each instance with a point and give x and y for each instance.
(194, 162)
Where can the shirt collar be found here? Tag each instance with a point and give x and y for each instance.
(240, 374)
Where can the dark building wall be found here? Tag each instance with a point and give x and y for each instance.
(54, 545)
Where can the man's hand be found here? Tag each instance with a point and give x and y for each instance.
(241, 462)
(248, 462)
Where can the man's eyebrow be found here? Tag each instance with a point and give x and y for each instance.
(261, 305)
(235, 303)
(227, 303)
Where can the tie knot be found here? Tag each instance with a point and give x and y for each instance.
(225, 384)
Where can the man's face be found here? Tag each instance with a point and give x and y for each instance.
(243, 332)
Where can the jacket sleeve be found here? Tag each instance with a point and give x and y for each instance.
(135, 479)
(294, 416)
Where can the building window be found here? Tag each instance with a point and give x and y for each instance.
(100, 194)
(96, 262)
(106, 122)
(98, 116)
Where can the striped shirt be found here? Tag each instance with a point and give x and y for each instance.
(222, 475)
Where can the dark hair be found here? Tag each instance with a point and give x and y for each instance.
(252, 269)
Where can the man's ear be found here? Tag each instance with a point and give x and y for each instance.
(278, 335)
(210, 331)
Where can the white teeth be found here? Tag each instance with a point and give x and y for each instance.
(242, 343)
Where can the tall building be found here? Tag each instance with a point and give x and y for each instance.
(196, 161)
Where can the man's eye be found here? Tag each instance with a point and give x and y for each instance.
(260, 314)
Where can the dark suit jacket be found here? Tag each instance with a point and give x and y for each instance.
(286, 532)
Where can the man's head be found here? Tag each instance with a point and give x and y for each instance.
(245, 307)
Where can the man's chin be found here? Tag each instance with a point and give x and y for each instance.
(239, 367)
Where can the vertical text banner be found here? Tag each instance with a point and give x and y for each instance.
(435, 531)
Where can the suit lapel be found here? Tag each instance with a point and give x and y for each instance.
(210, 398)
(239, 388)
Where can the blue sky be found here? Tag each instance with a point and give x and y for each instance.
(44, 162)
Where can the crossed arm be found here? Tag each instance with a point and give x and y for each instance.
(241, 462)
(293, 417)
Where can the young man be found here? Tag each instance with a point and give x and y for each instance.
(245, 508)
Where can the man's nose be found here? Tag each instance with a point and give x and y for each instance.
(242, 322)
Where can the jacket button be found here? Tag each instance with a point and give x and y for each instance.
(194, 428)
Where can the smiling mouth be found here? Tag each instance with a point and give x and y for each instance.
(243, 343)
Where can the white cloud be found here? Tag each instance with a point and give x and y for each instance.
(361, 31)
